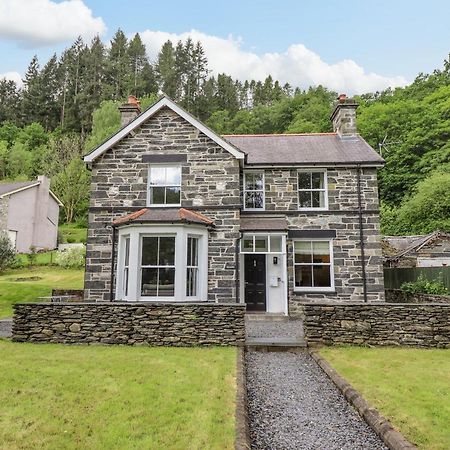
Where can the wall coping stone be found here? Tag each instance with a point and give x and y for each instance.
(393, 304)
(126, 304)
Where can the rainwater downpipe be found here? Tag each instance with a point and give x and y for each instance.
(237, 265)
(111, 284)
(361, 233)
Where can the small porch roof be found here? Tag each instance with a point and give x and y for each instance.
(164, 215)
(263, 224)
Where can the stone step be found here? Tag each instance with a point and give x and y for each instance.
(266, 317)
(272, 344)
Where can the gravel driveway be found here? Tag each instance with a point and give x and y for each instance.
(293, 405)
(5, 328)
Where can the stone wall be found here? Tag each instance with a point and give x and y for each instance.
(210, 182)
(420, 325)
(168, 324)
(398, 296)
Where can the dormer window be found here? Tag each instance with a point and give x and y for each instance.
(312, 189)
(164, 185)
(254, 190)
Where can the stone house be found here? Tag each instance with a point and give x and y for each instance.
(29, 214)
(179, 213)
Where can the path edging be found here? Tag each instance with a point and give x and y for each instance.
(379, 424)
(242, 441)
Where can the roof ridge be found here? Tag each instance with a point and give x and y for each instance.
(280, 134)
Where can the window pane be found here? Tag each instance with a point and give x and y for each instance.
(157, 176)
(318, 199)
(303, 276)
(192, 251)
(166, 287)
(321, 252)
(125, 281)
(166, 251)
(247, 244)
(149, 251)
(318, 180)
(304, 180)
(149, 282)
(173, 175)
(249, 182)
(260, 244)
(305, 199)
(275, 243)
(157, 195)
(254, 200)
(191, 282)
(127, 251)
(322, 276)
(172, 195)
(302, 252)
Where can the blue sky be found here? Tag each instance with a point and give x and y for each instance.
(358, 45)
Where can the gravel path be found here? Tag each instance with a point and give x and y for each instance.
(5, 328)
(293, 405)
(275, 328)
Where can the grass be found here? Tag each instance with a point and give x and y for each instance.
(27, 284)
(71, 397)
(42, 258)
(410, 387)
(73, 233)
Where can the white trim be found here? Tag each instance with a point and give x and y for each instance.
(324, 190)
(306, 289)
(60, 203)
(244, 190)
(163, 102)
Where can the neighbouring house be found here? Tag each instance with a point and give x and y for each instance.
(179, 213)
(29, 213)
(429, 250)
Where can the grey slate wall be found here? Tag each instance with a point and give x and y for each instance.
(210, 182)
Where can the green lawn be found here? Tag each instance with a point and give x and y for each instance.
(410, 387)
(42, 258)
(27, 284)
(93, 397)
(73, 233)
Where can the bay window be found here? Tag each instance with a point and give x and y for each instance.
(313, 265)
(162, 262)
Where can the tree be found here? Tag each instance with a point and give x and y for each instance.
(7, 253)
(72, 188)
(118, 66)
(9, 101)
(31, 108)
(138, 61)
(166, 70)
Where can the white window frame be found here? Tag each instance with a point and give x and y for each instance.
(268, 236)
(193, 266)
(126, 267)
(324, 190)
(149, 186)
(263, 190)
(181, 233)
(330, 288)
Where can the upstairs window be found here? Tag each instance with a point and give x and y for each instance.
(312, 189)
(164, 185)
(254, 190)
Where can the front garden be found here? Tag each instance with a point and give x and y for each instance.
(410, 387)
(71, 397)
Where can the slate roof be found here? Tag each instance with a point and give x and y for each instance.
(164, 215)
(6, 188)
(313, 149)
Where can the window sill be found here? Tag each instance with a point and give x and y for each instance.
(171, 205)
(315, 291)
(313, 209)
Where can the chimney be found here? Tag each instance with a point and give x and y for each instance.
(344, 117)
(129, 110)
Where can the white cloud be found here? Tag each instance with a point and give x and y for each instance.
(14, 76)
(35, 23)
(297, 65)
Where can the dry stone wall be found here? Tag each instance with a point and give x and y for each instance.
(158, 324)
(418, 325)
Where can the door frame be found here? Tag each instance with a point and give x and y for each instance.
(263, 259)
(283, 261)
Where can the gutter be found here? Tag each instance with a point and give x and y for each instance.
(361, 234)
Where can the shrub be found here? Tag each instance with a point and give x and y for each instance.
(7, 253)
(32, 256)
(424, 286)
(72, 258)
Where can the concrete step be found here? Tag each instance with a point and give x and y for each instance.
(266, 317)
(272, 344)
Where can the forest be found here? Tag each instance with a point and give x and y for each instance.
(68, 105)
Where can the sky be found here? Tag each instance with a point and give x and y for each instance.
(351, 46)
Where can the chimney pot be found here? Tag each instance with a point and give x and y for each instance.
(342, 98)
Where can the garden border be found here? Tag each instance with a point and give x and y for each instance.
(379, 424)
(242, 441)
